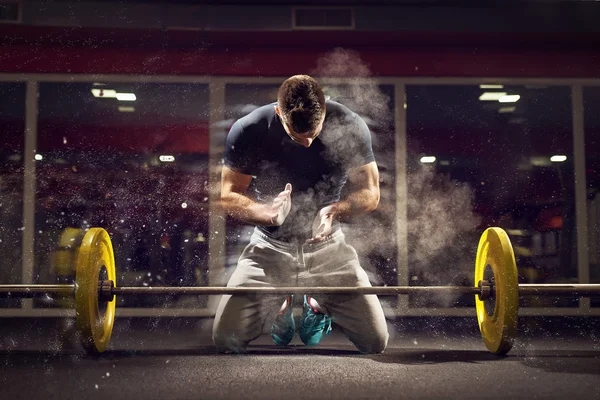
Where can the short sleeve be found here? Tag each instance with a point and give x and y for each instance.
(362, 153)
(240, 150)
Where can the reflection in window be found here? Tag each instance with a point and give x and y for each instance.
(375, 104)
(12, 137)
(132, 158)
(591, 102)
(490, 156)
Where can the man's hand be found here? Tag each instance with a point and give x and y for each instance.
(322, 224)
(280, 208)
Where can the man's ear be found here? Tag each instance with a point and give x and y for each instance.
(277, 111)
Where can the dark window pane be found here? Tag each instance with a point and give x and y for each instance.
(473, 163)
(12, 137)
(591, 99)
(137, 168)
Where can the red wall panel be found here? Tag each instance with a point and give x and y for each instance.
(85, 50)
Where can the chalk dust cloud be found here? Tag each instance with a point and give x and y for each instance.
(441, 222)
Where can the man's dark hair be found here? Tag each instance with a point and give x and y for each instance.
(302, 102)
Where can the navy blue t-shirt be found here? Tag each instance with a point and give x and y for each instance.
(258, 145)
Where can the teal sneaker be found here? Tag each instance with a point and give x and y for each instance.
(284, 327)
(312, 324)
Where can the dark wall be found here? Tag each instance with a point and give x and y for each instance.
(31, 49)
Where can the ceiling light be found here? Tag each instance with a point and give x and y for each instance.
(126, 96)
(492, 96)
(503, 110)
(427, 159)
(38, 157)
(491, 86)
(513, 98)
(558, 158)
(539, 161)
(126, 109)
(166, 158)
(104, 93)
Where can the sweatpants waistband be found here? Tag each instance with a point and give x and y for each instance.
(336, 236)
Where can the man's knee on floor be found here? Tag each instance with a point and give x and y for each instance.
(374, 344)
(229, 342)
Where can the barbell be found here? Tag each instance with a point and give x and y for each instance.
(496, 290)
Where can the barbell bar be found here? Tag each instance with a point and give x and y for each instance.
(496, 290)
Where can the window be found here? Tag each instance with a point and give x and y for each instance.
(481, 156)
(12, 137)
(591, 101)
(131, 158)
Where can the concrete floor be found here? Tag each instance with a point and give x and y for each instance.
(436, 358)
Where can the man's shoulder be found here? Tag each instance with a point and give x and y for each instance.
(337, 108)
(340, 112)
(258, 118)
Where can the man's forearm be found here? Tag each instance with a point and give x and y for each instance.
(356, 203)
(246, 210)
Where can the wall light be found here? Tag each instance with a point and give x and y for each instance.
(126, 96)
(166, 158)
(492, 96)
(427, 159)
(558, 158)
(513, 98)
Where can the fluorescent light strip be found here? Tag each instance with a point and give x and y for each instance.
(492, 96)
(126, 109)
(509, 99)
(126, 96)
(558, 158)
(428, 159)
(491, 86)
(503, 110)
(166, 158)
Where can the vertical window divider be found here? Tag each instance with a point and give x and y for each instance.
(581, 211)
(216, 217)
(29, 177)
(401, 193)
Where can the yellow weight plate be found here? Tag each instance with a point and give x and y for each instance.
(95, 262)
(498, 315)
(64, 260)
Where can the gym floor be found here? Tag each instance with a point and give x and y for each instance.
(427, 358)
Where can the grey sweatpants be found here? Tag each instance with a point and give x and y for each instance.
(266, 262)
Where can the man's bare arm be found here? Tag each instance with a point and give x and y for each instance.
(363, 197)
(364, 193)
(235, 202)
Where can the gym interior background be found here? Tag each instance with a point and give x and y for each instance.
(114, 114)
